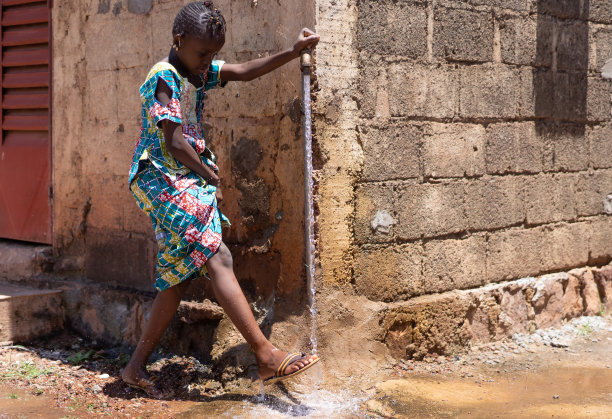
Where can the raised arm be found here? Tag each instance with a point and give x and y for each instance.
(256, 68)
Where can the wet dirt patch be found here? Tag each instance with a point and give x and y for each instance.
(564, 371)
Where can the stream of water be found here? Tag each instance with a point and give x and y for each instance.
(308, 206)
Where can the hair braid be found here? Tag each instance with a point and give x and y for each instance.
(199, 18)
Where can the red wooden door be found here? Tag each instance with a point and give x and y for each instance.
(25, 142)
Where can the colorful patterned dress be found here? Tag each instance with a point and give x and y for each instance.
(181, 204)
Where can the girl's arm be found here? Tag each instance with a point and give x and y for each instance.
(260, 66)
(176, 143)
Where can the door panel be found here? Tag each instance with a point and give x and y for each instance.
(25, 143)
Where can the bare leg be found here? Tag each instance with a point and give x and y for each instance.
(164, 307)
(232, 299)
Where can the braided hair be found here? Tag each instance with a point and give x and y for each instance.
(200, 18)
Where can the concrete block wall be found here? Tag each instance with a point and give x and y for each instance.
(474, 138)
(102, 53)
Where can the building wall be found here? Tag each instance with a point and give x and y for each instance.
(456, 144)
(102, 52)
(462, 142)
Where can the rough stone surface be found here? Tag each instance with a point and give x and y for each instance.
(590, 294)
(488, 91)
(549, 198)
(432, 210)
(454, 264)
(390, 273)
(192, 311)
(21, 261)
(547, 300)
(600, 139)
(591, 191)
(573, 306)
(384, 28)
(393, 151)
(514, 253)
(494, 202)
(445, 324)
(600, 11)
(453, 150)
(27, 313)
(603, 278)
(463, 35)
(427, 325)
(518, 40)
(427, 91)
(513, 148)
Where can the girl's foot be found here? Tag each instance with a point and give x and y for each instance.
(271, 362)
(139, 379)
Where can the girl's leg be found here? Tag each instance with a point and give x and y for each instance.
(232, 299)
(164, 307)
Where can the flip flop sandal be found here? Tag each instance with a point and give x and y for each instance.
(147, 387)
(289, 359)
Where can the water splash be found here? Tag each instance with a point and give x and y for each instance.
(317, 404)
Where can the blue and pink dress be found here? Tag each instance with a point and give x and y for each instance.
(182, 205)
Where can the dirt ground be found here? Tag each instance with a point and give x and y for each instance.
(558, 372)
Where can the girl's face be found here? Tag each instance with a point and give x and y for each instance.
(196, 53)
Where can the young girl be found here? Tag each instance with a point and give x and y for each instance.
(175, 180)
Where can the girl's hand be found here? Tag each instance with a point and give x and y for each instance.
(306, 39)
(219, 195)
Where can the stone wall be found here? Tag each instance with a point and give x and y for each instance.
(478, 135)
(102, 52)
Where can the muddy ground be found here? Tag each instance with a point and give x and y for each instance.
(559, 372)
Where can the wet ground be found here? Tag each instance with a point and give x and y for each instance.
(561, 372)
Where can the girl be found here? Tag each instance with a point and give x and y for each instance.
(175, 180)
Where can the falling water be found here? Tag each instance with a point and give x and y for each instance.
(308, 196)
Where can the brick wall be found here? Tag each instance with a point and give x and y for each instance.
(480, 144)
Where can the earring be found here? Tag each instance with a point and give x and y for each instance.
(175, 47)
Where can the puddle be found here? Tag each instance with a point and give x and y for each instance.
(582, 392)
(309, 399)
(19, 404)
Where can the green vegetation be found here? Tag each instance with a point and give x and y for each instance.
(80, 357)
(585, 329)
(27, 370)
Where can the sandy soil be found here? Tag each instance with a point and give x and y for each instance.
(564, 371)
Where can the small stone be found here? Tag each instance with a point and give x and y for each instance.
(96, 389)
(103, 376)
(606, 73)
(212, 385)
(556, 396)
(559, 344)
